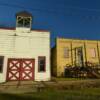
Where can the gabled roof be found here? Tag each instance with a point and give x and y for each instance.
(24, 14)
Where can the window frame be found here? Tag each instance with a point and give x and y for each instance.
(1, 69)
(39, 57)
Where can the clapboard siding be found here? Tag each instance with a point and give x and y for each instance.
(25, 45)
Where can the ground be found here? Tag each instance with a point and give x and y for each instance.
(58, 89)
(84, 94)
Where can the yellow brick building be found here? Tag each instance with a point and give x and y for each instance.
(66, 52)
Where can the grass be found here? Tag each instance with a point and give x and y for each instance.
(61, 90)
(67, 79)
(82, 94)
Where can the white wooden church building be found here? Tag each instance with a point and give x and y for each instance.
(24, 53)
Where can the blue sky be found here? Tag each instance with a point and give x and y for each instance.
(63, 18)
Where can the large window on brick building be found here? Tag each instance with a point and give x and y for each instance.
(41, 63)
(93, 52)
(1, 63)
(66, 52)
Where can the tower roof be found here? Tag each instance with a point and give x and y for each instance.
(24, 14)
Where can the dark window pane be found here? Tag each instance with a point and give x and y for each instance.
(42, 68)
(42, 61)
(20, 22)
(27, 22)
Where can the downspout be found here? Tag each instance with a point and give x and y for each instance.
(71, 54)
(98, 52)
(85, 63)
(75, 57)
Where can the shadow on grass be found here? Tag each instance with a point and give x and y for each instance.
(84, 94)
(4, 96)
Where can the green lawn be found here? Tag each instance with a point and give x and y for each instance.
(67, 79)
(83, 94)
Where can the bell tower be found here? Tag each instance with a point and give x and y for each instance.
(23, 21)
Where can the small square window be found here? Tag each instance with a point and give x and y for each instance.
(1, 63)
(23, 22)
(41, 64)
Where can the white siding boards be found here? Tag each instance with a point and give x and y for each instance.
(20, 49)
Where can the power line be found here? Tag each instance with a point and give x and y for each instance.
(50, 10)
(69, 11)
(35, 9)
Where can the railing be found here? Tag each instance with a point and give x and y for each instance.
(90, 70)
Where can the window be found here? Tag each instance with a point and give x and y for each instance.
(79, 56)
(1, 63)
(93, 52)
(23, 22)
(79, 51)
(41, 63)
(66, 52)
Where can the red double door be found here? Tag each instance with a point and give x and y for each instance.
(20, 69)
